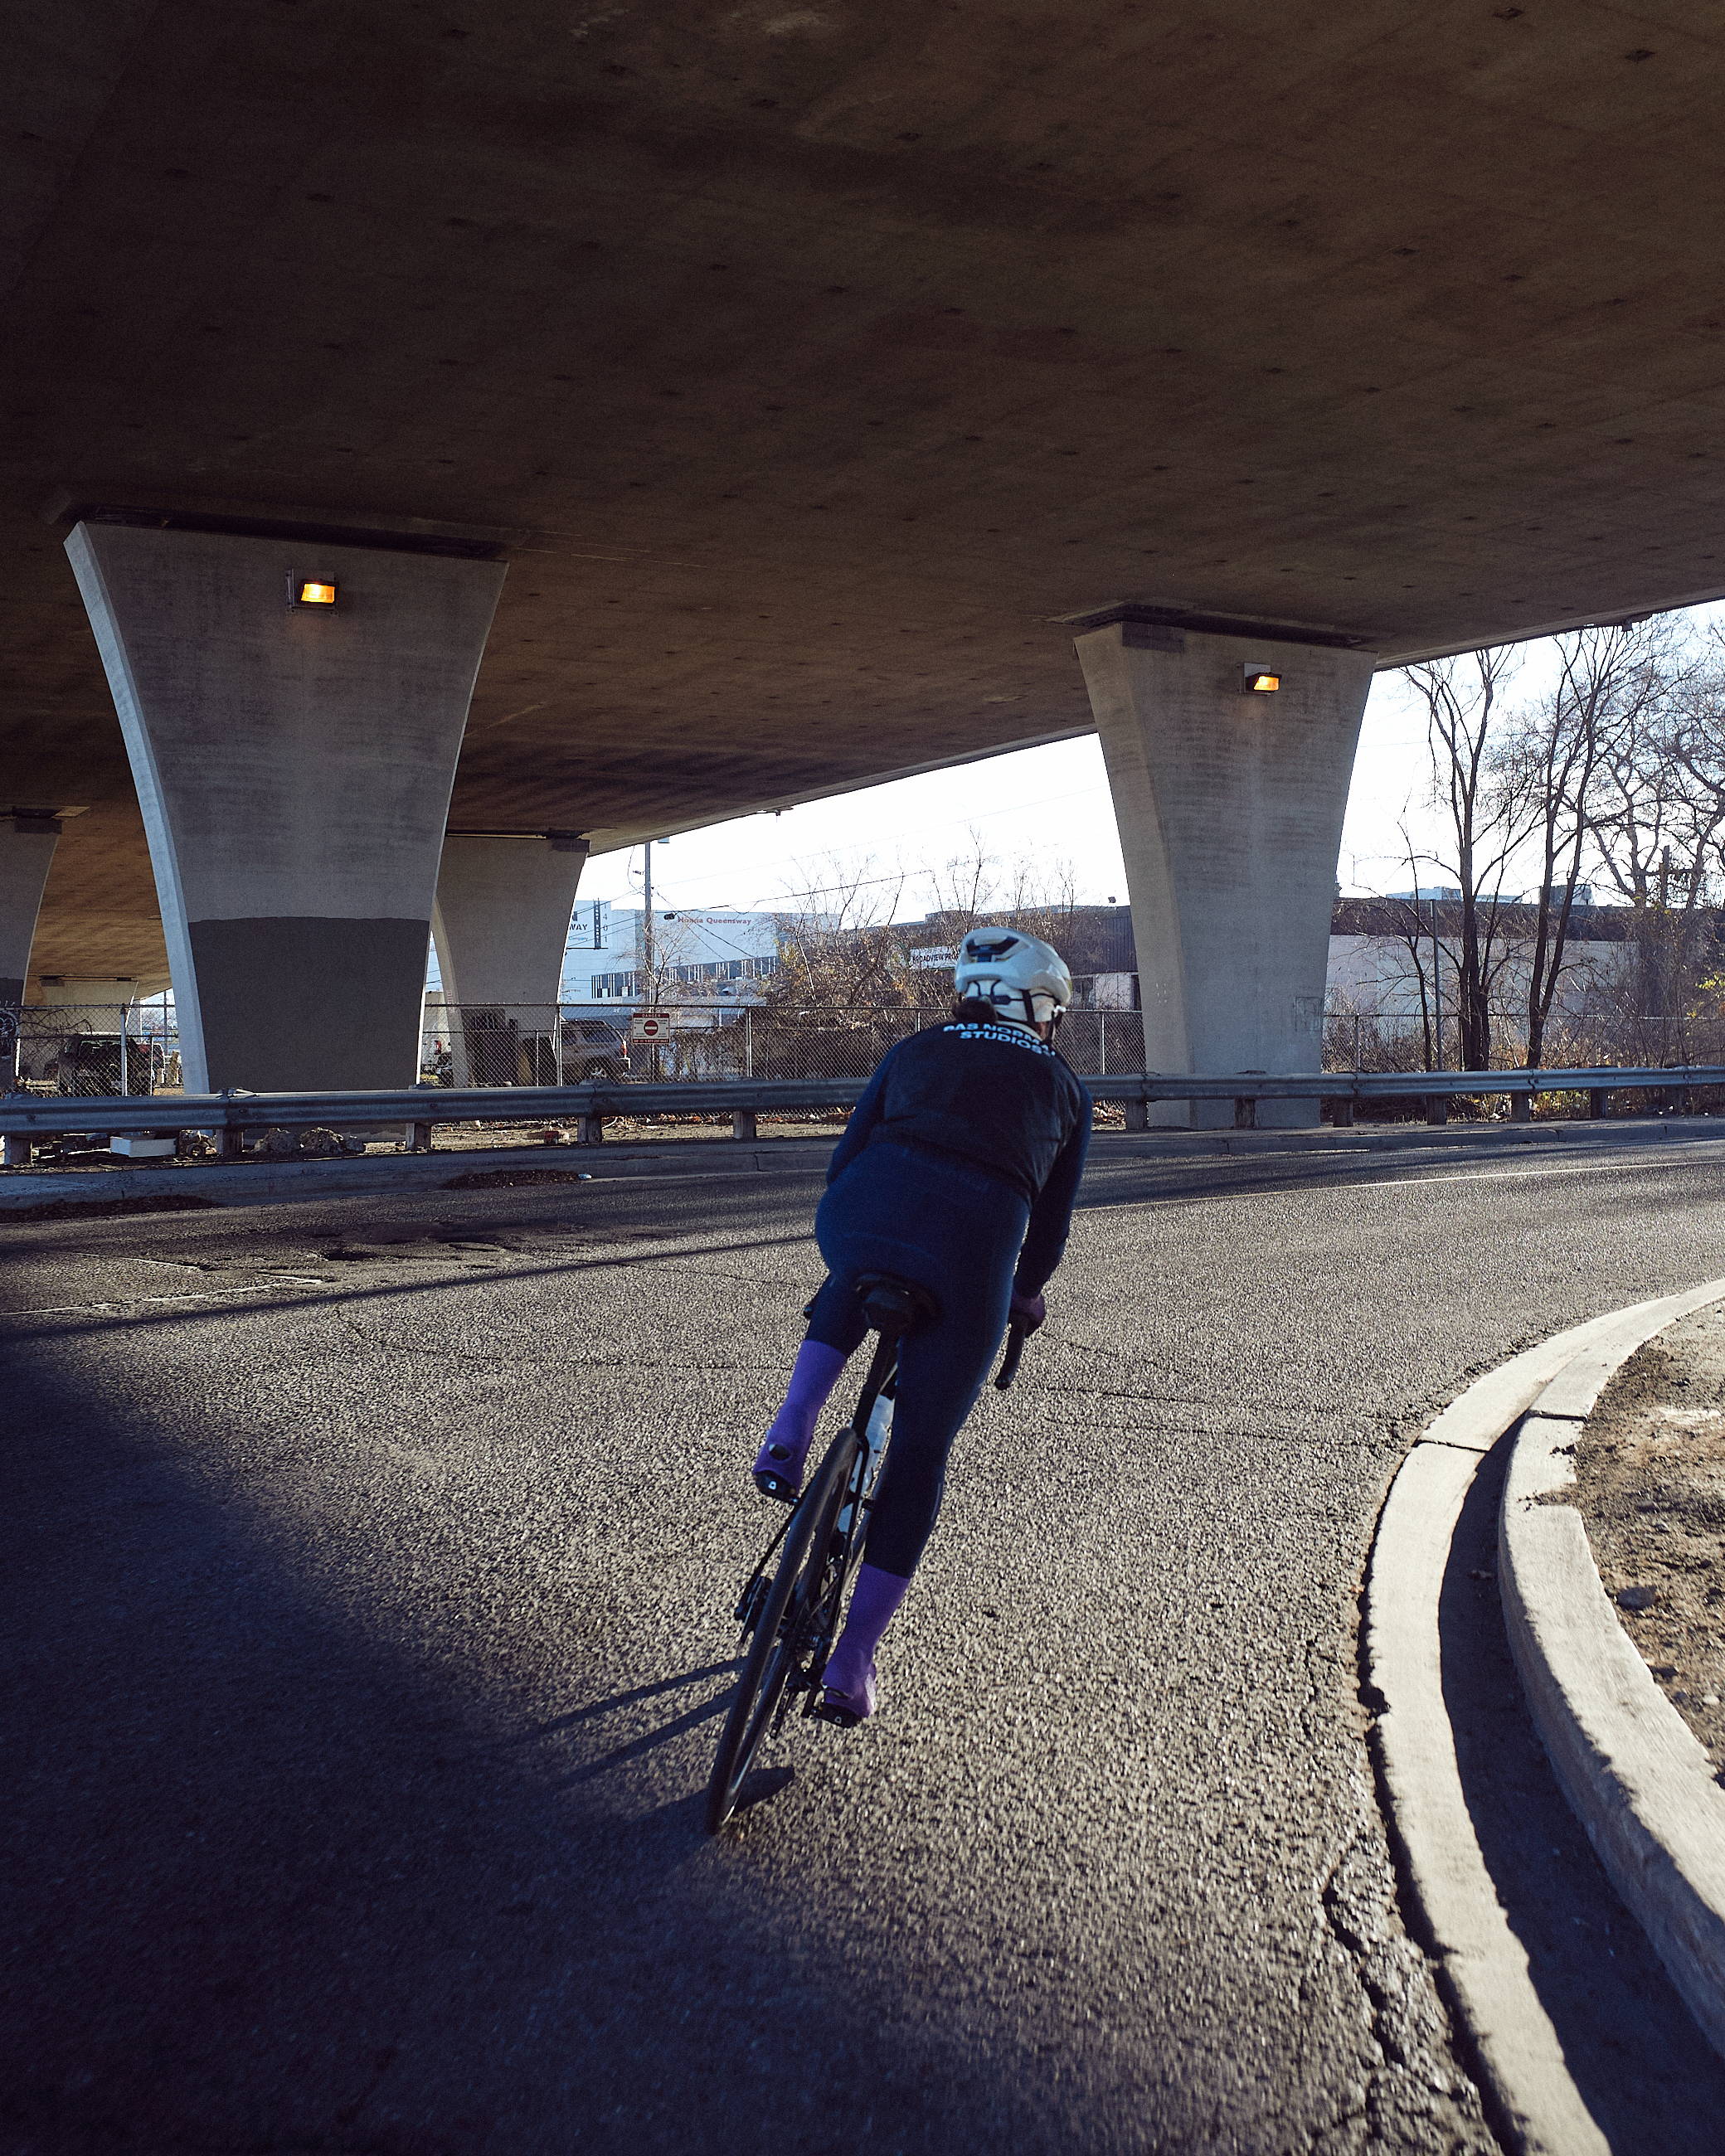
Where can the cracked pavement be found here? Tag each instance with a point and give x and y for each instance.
(370, 1571)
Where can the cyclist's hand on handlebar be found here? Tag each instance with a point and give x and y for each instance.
(1029, 1311)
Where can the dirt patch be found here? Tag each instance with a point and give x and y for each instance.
(1650, 1487)
(515, 1178)
(637, 1130)
(641, 1128)
(105, 1209)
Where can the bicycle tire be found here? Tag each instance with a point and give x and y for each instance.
(772, 1653)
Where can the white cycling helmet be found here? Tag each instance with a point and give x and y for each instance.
(1025, 978)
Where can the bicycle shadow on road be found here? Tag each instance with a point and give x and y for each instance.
(637, 1747)
(286, 1852)
(762, 1784)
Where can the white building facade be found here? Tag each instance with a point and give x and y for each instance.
(698, 957)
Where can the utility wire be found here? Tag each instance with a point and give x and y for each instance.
(905, 831)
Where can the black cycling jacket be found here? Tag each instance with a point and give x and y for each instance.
(992, 1096)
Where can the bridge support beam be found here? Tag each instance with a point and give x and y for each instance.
(27, 844)
(294, 763)
(1230, 803)
(501, 925)
(105, 992)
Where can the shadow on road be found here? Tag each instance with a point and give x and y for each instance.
(235, 1302)
(633, 1697)
(1643, 2068)
(640, 1745)
(285, 1877)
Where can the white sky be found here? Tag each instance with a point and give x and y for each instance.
(1051, 805)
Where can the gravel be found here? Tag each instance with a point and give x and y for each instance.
(1650, 1487)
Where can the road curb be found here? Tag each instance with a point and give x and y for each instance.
(1482, 1965)
(1635, 1773)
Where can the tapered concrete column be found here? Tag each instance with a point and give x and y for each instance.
(27, 844)
(502, 921)
(1230, 806)
(501, 926)
(293, 766)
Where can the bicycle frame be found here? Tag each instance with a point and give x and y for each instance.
(872, 1417)
(871, 1423)
(790, 1615)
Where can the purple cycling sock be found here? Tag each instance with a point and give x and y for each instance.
(813, 1377)
(851, 1668)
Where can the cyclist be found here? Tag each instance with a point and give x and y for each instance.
(957, 1170)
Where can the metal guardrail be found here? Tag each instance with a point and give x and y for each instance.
(229, 1116)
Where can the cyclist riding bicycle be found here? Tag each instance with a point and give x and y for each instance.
(957, 1170)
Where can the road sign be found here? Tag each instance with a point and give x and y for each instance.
(651, 1025)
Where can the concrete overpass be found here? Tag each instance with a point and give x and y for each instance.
(814, 371)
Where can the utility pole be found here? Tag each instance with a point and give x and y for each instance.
(647, 984)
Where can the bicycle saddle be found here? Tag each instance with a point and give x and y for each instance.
(892, 1305)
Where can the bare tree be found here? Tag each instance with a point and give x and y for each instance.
(1417, 933)
(1487, 811)
(1041, 898)
(1553, 760)
(1656, 814)
(846, 953)
(976, 885)
(1615, 774)
(839, 952)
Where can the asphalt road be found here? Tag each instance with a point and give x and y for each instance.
(366, 1607)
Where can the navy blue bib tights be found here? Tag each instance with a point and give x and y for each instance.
(957, 1170)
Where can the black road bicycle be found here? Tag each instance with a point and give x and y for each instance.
(791, 1616)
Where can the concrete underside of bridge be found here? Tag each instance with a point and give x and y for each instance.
(808, 363)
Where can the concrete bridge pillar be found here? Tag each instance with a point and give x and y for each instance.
(501, 925)
(293, 710)
(27, 844)
(1230, 802)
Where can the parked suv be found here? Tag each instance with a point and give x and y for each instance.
(593, 1048)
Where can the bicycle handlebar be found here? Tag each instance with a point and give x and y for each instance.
(1016, 1335)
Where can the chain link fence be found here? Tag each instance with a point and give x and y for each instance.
(1593, 1038)
(111, 1049)
(520, 1044)
(89, 1051)
(504, 1046)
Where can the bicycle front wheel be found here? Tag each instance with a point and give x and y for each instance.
(782, 1627)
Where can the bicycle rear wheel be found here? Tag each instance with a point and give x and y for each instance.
(783, 1625)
